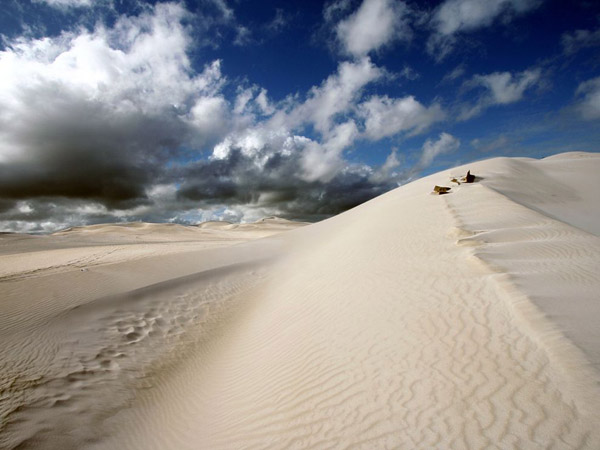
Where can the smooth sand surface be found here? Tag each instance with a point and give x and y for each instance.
(467, 320)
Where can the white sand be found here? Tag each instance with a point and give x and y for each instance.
(413, 321)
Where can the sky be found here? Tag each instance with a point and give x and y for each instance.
(130, 110)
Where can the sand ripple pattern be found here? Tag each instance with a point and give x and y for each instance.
(58, 396)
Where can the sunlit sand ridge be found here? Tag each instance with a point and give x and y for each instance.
(465, 320)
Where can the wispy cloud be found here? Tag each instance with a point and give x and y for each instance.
(580, 39)
(456, 73)
(453, 17)
(488, 145)
(588, 104)
(500, 88)
(278, 23)
(67, 3)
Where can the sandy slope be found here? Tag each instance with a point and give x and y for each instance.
(77, 305)
(412, 321)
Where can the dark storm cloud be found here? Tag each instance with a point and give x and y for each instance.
(239, 180)
(81, 149)
(235, 182)
(6, 205)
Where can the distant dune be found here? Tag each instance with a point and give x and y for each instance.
(463, 320)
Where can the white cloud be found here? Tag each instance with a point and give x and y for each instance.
(386, 116)
(263, 102)
(454, 74)
(589, 104)
(501, 88)
(243, 36)
(333, 108)
(454, 16)
(333, 9)
(341, 137)
(335, 96)
(446, 143)
(260, 142)
(67, 3)
(24, 207)
(579, 39)
(323, 108)
(319, 164)
(409, 73)
(506, 88)
(209, 115)
(140, 66)
(323, 161)
(461, 16)
(249, 102)
(242, 99)
(278, 23)
(225, 11)
(387, 169)
(336, 110)
(375, 24)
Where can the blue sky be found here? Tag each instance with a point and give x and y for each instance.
(123, 110)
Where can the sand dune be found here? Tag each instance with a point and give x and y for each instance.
(413, 321)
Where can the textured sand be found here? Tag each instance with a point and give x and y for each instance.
(413, 321)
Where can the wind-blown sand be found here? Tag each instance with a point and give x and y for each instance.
(468, 320)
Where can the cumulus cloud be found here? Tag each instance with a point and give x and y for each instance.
(337, 110)
(113, 103)
(500, 88)
(386, 116)
(588, 104)
(463, 16)
(275, 130)
(335, 96)
(375, 24)
(322, 162)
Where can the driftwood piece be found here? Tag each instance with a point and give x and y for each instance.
(441, 189)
